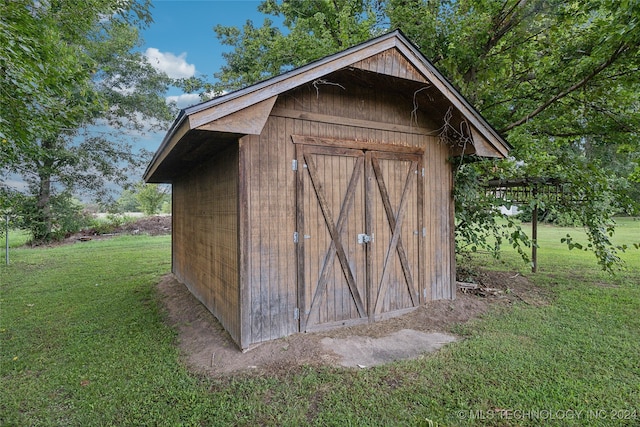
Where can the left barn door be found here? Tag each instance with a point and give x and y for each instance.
(331, 263)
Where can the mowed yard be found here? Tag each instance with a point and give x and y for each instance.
(84, 341)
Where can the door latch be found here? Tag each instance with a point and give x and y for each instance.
(364, 238)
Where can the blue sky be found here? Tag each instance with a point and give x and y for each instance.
(181, 41)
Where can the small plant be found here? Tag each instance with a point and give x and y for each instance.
(466, 270)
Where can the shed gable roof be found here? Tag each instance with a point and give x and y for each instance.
(245, 111)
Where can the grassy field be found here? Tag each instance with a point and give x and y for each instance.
(84, 342)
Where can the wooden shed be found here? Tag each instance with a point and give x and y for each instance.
(321, 197)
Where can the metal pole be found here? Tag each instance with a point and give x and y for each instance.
(534, 232)
(6, 238)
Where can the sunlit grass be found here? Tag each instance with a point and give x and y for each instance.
(553, 254)
(17, 238)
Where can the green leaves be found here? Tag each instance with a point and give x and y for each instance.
(66, 67)
(315, 29)
(479, 224)
(570, 243)
(150, 197)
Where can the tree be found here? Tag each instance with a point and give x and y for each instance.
(127, 201)
(150, 197)
(43, 60)
(90, 77)
(558, 79)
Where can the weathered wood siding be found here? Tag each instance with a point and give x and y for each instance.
(392, 63)
(205, 235)
(351, 112)
(269, 298)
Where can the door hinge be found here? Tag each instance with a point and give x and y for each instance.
(296, 313)
(423, 172)
(424, 231)
(295, 237)
(424, 293)
(294, 165)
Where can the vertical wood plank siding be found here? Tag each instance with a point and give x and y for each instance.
(392, 63)
(205, 236)
(271, 270)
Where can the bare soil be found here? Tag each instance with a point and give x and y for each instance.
(208, 349)
(151, 225)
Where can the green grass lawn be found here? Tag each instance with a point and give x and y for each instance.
(553, 256)
(84, 342)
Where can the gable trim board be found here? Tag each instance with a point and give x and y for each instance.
(301, 203)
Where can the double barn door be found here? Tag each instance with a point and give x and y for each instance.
(360, 234)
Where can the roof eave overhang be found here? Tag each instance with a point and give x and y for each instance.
(178, 129)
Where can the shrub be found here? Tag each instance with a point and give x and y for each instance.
(65, 217)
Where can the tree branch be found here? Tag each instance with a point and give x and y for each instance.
(501, 24)
(616, 54)
(504, 23)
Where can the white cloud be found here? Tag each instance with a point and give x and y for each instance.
(174, 66)
(188, 99)
(185, 100)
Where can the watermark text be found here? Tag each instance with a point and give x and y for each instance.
(548, 414)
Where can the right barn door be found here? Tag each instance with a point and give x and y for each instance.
(394, 222)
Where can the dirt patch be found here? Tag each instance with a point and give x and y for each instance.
(207, 348)
(151, 225)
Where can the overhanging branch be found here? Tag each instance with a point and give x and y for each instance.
(616, 54)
